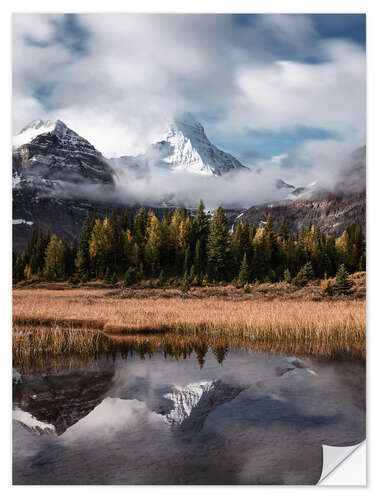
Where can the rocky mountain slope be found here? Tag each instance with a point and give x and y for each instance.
(58, 176)
(50, 155)
(332, 211)
(52, 402)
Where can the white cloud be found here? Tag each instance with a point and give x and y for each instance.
(287, 94)
(137, 71)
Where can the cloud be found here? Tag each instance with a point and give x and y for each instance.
(287, 94)
(135, 71)
(118, 79)
(111, 416)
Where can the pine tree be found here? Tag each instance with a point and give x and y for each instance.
(219, 352)
(271, 256)
(82, 260)
(114, 240)
(67, 259)
(54, 259)
(244, 275)
(19, 268)
(343, 245)
(201, 351)
(200, 231)
(177, 253)
(191, 247)
(237, 251)
(192, 275)
(305, 275)
(258, 269)
(283, 230)
(287, 276)
(187, 260)
(161, 278)
(185, 285)
(124, 220)
(153, 244)
(343, 284)
(362, 262)
(166, 245)
(130, 277)
(98, 248)
(218, 246)
(140, 227)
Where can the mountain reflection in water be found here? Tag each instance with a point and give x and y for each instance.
(220, 417)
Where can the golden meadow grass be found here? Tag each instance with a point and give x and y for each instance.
(75, 317)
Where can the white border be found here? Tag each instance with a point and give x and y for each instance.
(317, 6)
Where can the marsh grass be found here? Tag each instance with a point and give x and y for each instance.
(71, 322)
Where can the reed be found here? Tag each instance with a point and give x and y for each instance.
(75, 318)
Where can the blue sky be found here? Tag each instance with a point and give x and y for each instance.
(262, 85)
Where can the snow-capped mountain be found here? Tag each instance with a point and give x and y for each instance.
(184, 147)
(58, 176)
(51, 403)
(193, 403)
(184, 399)
(49, 152)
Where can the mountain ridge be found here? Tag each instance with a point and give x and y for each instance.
(58, 176)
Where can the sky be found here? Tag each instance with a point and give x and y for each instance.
(260, 84)
(287, 89)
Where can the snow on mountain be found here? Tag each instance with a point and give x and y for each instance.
(30, 422)
(32, 130)
(22, 221)
(185, 399)
(184, 147)
(187, 147)
(51, 151)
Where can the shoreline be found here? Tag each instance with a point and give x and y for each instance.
(331, 328)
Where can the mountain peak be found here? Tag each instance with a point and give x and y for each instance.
(48, 152)
(38, 127)
(187, 120)
(187, 147)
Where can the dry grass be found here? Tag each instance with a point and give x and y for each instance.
(328, 328)
(41, 347)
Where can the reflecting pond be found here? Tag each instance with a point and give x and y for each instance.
(212, 417)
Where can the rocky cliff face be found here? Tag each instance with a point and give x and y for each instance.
(331, 213)
(50, 403)
(61, 216)
(49, 154)
(58, 176)
(53, 402)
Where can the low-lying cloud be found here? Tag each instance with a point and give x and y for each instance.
(326, 166)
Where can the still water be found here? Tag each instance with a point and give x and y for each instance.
(237, 418)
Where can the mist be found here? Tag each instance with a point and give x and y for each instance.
(328, 166)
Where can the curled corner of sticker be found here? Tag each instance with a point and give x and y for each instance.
(333, 456)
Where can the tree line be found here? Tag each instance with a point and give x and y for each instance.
(197, 249)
